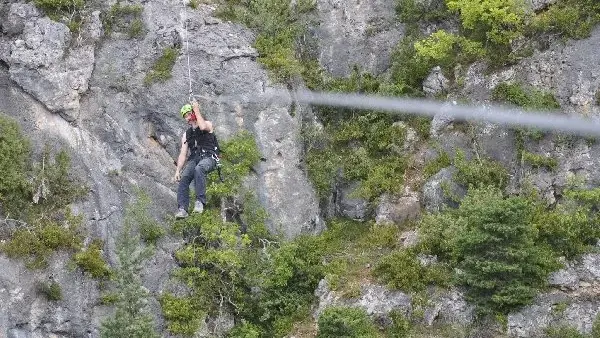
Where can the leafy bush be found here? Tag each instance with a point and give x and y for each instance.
(59, 5)
(91, 261)
(479, 173)
(182, 314)
(36, 243)
(497, 253)
(161, 70)
(563, 332)
(278, 28)
(402, 270)
(501, 20)
(35, 196)
(568, 18)
(526, 97)
(345, 322)
(14, 160)
(137, 213)
(124, 18)
(132, 317)
(539, 161)
(51, 290)
(446, 49)
(366, 148)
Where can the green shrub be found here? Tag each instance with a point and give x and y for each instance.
(278, 27)
(161, 70)
(182, 315)
(91, 261)
(345, 322)
(539, 161)
(35, 243)
(36, 196)
(568, 18)
(402, 270)
(53, 6)
(497, 252)
(478, 173)
(132, 317)
(526, 97)
(432, 167)
(500, 21)
(411, 13)
(563, 332)
(50, 290)
(14, 160)
(124, 18)
(401, 326)
(245, 330)
(138, 214)
(447, 50)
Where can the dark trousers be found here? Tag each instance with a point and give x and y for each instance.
(196, 169)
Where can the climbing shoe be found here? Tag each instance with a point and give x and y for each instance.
(198, 207)
(181, 213)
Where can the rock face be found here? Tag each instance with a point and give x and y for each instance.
(441, 191)
(87, 95)
(359, 33)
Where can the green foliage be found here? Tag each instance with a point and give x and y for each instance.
(239, 155)
(411, 13)
(568, 18)
(51, 290)
(124, 18)
(345, 322)
(109, 299)
(526, 97)
(494, 242)
(36, 196)
(193, 4)
(245, 330)
(278, 28)
(365, 148)
(401, 326)
(36, 243)
(132, 317)
(500, 20)
(563, 332)
(14, 158)
(91, 261)
(182, 315)
(402, 270)
(161, 70)
(138, 213)
(434, 166)
(479, 173)
(447, 50)
(539, 161)
(407, 70)
(59, 6)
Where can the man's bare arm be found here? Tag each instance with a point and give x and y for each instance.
(181, 158)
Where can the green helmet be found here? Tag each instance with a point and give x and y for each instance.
(185, 109)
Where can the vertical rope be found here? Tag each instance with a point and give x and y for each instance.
(187, 52)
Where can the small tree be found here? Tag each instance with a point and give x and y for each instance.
(496, 251)
(132, 318)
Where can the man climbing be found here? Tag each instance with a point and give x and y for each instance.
(200, 143)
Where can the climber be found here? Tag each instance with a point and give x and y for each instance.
(200, 143)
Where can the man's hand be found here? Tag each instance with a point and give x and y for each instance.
(177, 176)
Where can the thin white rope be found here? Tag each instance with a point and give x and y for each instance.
(543, 120)
(187, 52)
